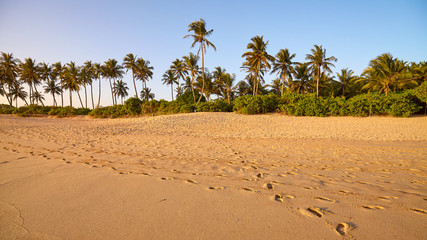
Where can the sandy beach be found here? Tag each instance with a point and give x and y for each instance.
(213, 176)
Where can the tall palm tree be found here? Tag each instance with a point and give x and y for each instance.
(302, 78)
(318, 62)
(58, 72)
(199, 37)
(147, 94)
(9, 67)
(387, 74)
(178, 68)
(29, 72)
(121, 89)
(112, 70)
(86, 78)
(346, 78)
(169, 79)
(17, 91)
(45, 72)
(129, 62)
(71, 81)
(144, 72)
(97, 72)
(257, 60)
(190, 64)
(283, 65)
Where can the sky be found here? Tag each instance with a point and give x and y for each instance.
(353, 31)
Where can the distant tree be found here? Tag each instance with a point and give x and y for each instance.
(147, 94)
(129, 62)
(29, 72)
(71, 81)
(190, 64)
(97, 73)
(58, 73)
(113, 70)
(178, 68)
(9, 69)
(284, 66)
(16, 92)
(88, 74)
(121, 89)
(169, 79)
(53, 88)
(317, 61)
(346, 79)
(144, 71)
(302, 78)
(243, 88)
(199, 36)
(276, 86)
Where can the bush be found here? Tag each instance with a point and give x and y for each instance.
(403, 104)
(151, 106)
(255, 104)
(187, 97)
(133, 106)
(110, 111)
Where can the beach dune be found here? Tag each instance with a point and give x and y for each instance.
(213, 176)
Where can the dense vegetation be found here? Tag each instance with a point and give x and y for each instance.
(388, 86)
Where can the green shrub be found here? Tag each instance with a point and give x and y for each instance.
(403, 104)
(187, 97)
(255, 104)
(110, 111)
(133, 106)
(151, 106)
(186, 108)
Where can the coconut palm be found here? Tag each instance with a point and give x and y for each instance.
(207, 83)
(112, 70)
(144, 71)
(29, 72)
(45, 72)
(97, 73)
(129, 62)
(53, 88)
(17, 91)
(346, 79)
(178, 68)
(226, 86)
(387, 74)
(243, 88)
(190, 65)
(58, 72)
(71, 81)
(9, 68)
(283, 65)
(199, 36)
(147, 94)
(318, 62)
(169, 79)
(276, 86)
(302, 78)
(257, 60)
(86, 78)
(121, 89)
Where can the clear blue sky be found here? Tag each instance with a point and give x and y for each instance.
(353, 31)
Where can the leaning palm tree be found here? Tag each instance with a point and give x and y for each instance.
(257, 60)
(190, 65)
(283, 65)
(58, 72)
(346, 78)
(199, 36)
(53, 88)
(121, 89)
(317, 62)
(129, 62)
(112, 70)
(10, 70)
(144, 71)
(387, 74)
(169, 79)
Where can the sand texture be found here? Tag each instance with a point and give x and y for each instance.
(213, 176)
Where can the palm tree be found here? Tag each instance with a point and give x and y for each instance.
(17, 91)
(190, 64)
(243, 88)
(302, 75)
(208, 84)
(318, 61)
(121, 89)
(147, 94)
(71, 81)
(9, 67)
(58, 72)
(178, 68)
(346, 78)
(144, 72)
(257, 60)
(199, 36)
(169, 78)
(277, 86)
(53, 89)
(112, 70)
(45, 72)
(225, 86)
(97, 72)
(129, 62)
(283, 65)
(387, 74)
(86, 77)
(29, 72)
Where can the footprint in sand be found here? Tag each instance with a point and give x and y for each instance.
(371, 207)
(325, 199)
(418, 210)
(345, 192)
(268, 186)
(387, 197)
(167, 178)
(342, 228)
(311, 212)
(216, 188)
(278, 198)
(147, 174)
(192, 181)
(248, 189)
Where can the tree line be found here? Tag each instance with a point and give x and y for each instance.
(384, 74)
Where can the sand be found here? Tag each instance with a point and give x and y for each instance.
(213, 176)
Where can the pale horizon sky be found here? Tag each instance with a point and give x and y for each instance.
(354, 32)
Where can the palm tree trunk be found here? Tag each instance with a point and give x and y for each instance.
(84, 85)
(114, 94)
(30, 95)
(99, 93)
(317, 84)
(203, 77)
(111, 87)
(54, 101)
(7, 96)
(172, 90)
(62, 96)
(91, 95)
(71, 98)
(78, 94)
(192, 88)
(134, 84)
(38, 94)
